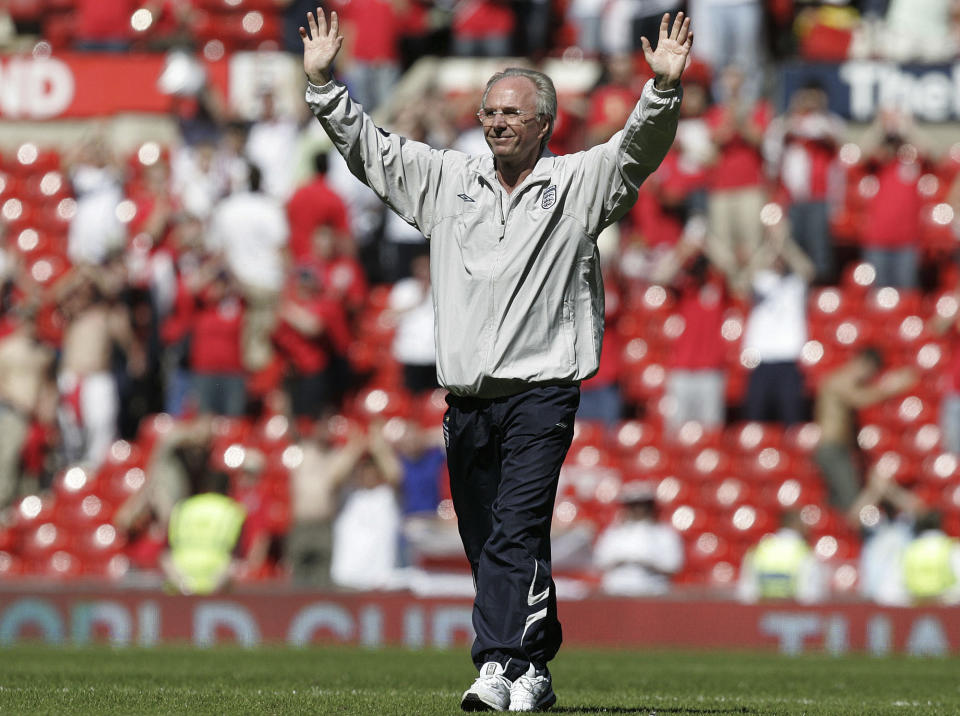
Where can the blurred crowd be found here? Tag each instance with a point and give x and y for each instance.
(239, 290)
(746, 32)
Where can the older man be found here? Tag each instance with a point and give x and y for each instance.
(518, 299)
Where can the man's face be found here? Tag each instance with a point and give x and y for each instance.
(516, 143)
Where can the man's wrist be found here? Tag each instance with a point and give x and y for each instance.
(320, 78)
(662, 84)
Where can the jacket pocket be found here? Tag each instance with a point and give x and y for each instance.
(568, 331)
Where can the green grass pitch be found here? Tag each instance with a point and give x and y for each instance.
(48, 680)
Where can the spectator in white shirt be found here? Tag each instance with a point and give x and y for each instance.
(198, 181)
(776, 331)
(250, 230)
(95, 231)
(638, 554)
(413, 343)
(366, 532)
(270, 145)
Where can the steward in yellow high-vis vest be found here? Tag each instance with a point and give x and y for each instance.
(927, 567)
(782, 566)
(777, 561)
(203, 532)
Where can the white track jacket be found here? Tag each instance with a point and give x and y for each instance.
(517, 290)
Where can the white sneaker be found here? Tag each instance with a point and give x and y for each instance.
(533, 691)
(490, 692)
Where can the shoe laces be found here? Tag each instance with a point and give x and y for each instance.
(530, 681)
(494, 679)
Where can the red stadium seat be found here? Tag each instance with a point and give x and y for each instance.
(10, 186)
(875, 439)
(119, 482)
(709, 463)
(40, 541)
(723, 574)
(950, 497)
(61, 565)
(631, 435)
(98, 542)
(271, 433)
(647, 462)
(112, 567)
(33, 510)
(382, 403)
(588, 432)
(766, 464)
(940, 469)
(590, 456)
(431, 407)
(858, 278)
(801, 439)
(707, 549)
(835, 548)
(921, 441)
(9, 538)
(89, 510)
(653, 300)
(230, 430)
(691, 437)
(790, 493)
(911, 410)
(825, 305)
(727, 493)
(152, 429)
(752, 437)
(11, 565)
(689, 519)
(73, 484)
(748, 523)
(851, 334)
(672, 492)
(891, 305)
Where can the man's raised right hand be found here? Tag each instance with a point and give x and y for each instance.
(320, 46)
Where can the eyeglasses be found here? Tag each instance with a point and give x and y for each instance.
(513, 117)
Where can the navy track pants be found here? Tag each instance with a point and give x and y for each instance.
(504, 456)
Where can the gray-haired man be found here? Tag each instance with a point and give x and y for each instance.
(518, 299)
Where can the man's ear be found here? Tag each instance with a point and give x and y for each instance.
(545, 128)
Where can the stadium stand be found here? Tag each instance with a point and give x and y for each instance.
(720, 489)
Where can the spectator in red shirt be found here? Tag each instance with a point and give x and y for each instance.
(891, 223)
(612, 100)
(103, 26)
(177, 311)
(659, 215)
(315, 206)
(600, 395)
(736, 179)
(311, 332)
(341, 274)
(946, 322)
(483, 28)
(249, 488)
(696, 381)
(371, 67)
(218, 378)
(801, 151)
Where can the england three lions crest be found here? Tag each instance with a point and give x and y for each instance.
(549, 197)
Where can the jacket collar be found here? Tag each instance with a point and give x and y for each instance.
(485, 171)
